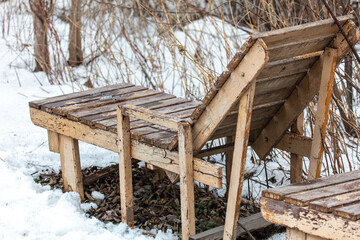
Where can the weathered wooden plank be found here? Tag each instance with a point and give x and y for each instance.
(100, 174)
(300, 47)
(151, 116)
(110, 122)
(296, 159)
(186, 181)
(38, 103)
(322, 112)
(63, 111)
(53, 139)
(238, 165)
(204, 172)
(280, 68)
(304, 198)
(302, 32)
(281, 192)
(273, 96)
(111, 112)
(99, 96)
(295, 143)
(70, 165)
(251, 223)
(351, 212)
(330, 203)
(112, 107)
(272, 84)
(309, 221)
(125, 169)
(231, 91)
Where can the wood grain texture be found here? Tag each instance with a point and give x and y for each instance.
(322, 112)
(186, 180)
(295, 143)
(279, 193)
(53, 139)
(309, 221)
(70, 165)
(238, 165)
(125, 169)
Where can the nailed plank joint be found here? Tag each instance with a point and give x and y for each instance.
(295, 143)
(125, 169)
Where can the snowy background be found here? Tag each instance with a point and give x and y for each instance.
(31, 211)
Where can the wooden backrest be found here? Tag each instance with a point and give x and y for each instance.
(292, 53)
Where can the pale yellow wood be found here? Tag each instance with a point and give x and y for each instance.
(70, 165)
(204, 172)
(238, 165)
(293, 234)
(295, 143)
(125, 169)
(151, 116)
(297, 101)
(229, 94)
(53, 139)
(186, 181)
(322, 112)
(310, 221)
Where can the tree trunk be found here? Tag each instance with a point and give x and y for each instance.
(75, 49)
(41, 49)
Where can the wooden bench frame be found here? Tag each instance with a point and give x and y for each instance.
(194, 132)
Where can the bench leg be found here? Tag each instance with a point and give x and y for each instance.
(125, 169)
(293, 234)
(322, 112)
(238, 165)
(228, 164)
(186, 181)
(70, 165)
(53, 138)
(296, 161)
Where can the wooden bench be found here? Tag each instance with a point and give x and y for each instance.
(326, 208)
(268, 84)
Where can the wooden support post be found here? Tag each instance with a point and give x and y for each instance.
(53, 138)
(186, 180)
(296, 161)
(322, 112)
(238, 166)
(125, 170)
(228, 164)
(70, 165)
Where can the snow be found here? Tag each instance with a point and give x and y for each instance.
(27, 209)
(97, 195)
